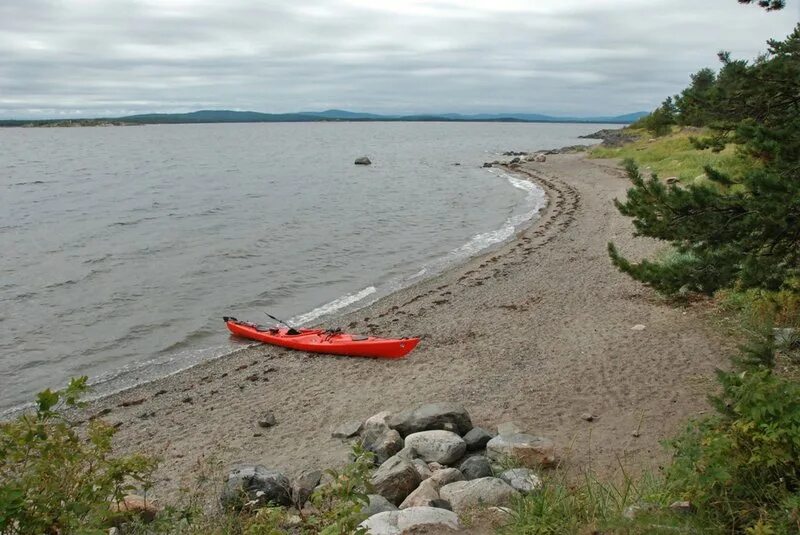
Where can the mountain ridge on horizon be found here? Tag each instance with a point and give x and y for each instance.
(233, 116)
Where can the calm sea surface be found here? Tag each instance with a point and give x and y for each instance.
(122, 247)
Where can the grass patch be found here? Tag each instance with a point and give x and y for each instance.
(674, 155)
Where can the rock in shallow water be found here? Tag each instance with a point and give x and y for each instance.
(444, 447)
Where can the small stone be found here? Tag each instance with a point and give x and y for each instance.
(425, 495)
(377, 504)
(412, 520)
(444, 447)
(255, 483)
(376, 421)
(422, 469)
(487, 491)
(636, 434)
(447, 475)
(395, 479)
(267, 419)
(476, 467)
(683, 507)
(187, 399)
(588, 416)
(526, 450)
(477, 438)
(508, 428)
(672, 180)
(136, 505)
(522, 480)
(384, 444)
(638, 327)
(347, 430)
(303, 486)
(431, 416)
(363, 161)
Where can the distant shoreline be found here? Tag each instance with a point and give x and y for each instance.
(337, 116)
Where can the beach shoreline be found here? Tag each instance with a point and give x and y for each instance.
(538, 331)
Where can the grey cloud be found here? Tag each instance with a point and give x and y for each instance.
(74, 57)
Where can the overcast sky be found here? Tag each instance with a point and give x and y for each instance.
(563, 57)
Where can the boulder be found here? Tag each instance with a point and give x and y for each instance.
(134, 505)
(426, 495)
(422, 469)
(487, 164)
(363, 161)
(443, 447)
(347, 430)
(465, 495)
(377, 504)
(411, 519)
(376, 421)
(540, 158)
(672, 180)
(526, 450)
(383, 443)
(476, 467)
(255, 483)
(515, 160)
(523, 480)
(395, 479)
(446, 476)
(431, 416)
(303, 486)
(476, 438)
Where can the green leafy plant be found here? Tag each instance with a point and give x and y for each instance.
(339, 502)
(55, 478)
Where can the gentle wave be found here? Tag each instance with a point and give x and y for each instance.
(334, 306)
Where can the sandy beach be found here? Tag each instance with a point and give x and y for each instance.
(537, 332)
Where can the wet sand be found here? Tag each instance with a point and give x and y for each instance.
(538, 332)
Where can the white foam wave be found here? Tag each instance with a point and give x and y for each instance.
(333, 306)
(534, 201)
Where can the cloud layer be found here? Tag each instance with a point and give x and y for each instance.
(567, 57)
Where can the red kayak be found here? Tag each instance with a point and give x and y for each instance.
(321, 341)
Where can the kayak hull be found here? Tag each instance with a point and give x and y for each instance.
(319, 341)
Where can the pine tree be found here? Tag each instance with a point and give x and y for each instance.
(739, 230)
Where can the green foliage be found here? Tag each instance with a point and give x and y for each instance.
(769, 5)
(739, 228)
(741, 469)
(340, 501)
(592, 506)
(57, 479)
(659, 122)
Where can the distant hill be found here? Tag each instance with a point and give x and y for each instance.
(230, 116)
(227, 116)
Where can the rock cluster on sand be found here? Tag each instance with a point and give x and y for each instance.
(432, 465)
